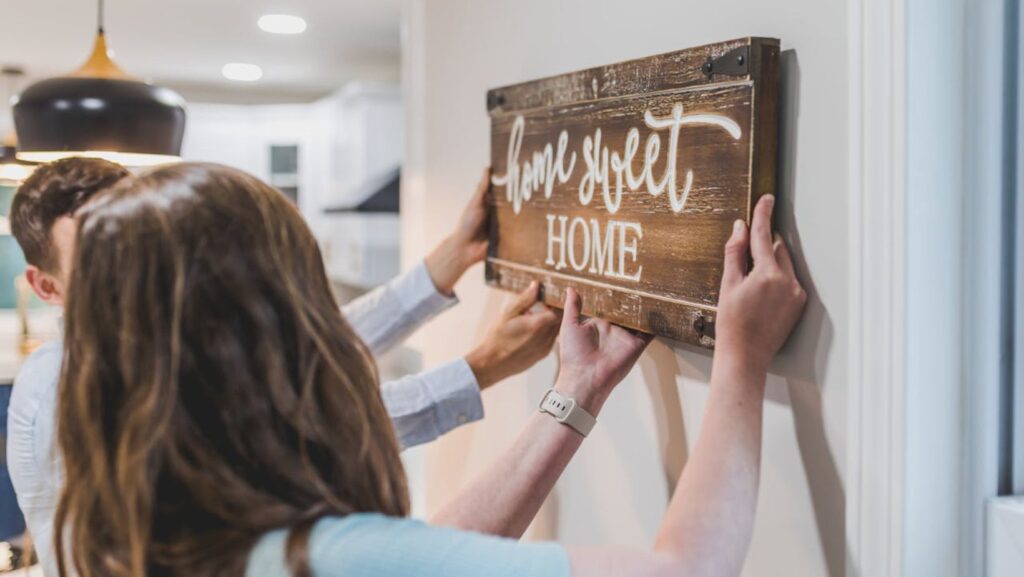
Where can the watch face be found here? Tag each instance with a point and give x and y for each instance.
(565, 411)
(556, 404)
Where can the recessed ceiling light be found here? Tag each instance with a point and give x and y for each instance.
(282, 24)
(242, 72)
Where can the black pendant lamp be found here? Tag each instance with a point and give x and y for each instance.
(100, 111)
(12, 170)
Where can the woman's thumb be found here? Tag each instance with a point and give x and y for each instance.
(571, 314)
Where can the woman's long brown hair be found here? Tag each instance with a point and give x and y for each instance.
(211, 389)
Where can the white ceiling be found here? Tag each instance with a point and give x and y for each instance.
(184, 43)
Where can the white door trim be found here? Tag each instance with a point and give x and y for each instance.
(874, 489)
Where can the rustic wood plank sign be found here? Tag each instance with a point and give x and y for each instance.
(623, 181)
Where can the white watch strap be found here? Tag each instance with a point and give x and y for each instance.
(567, 412)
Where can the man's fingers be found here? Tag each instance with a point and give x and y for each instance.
(571, 312)
(552, 317)
(478, 202)
(735, 266)
(484, 184)
(761, 232)
(782, 257)
(554, 313)
(524, 301)
(545, 320)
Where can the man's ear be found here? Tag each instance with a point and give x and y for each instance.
(47, 286)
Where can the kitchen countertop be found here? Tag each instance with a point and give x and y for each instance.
(43, 324)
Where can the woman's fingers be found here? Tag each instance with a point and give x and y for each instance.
(571, 314)
(735, 266)
(782, 257)
(640, 339)
(761, 232)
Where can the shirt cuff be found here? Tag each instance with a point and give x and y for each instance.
(419, 296)
(457, 395)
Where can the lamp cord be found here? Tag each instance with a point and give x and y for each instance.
(99, 17)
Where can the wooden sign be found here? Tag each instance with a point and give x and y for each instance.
(623, 181)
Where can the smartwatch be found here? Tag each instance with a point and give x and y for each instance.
(567, 412)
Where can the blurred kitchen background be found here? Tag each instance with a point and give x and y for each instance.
(307, 99)
(303, 94)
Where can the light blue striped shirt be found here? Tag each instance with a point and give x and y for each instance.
(371, 545)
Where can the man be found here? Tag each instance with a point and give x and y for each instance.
(422, 407)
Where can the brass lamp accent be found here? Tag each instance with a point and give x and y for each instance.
(100, 63)
(100, 111)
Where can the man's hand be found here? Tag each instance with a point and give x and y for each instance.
(595, 355)
(519, 339)
(756, 310)
(466, 245)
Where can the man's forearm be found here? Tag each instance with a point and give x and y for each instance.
(427, 405)
(506, 497)
(387, 315)
(446, 265)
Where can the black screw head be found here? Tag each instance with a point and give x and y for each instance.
(698, 325)
(706, 67)
(495, 100)
(740, 60)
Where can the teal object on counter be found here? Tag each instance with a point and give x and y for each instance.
(6, 197)
(12, 261)
(12, 264)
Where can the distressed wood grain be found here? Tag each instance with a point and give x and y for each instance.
(666, 265)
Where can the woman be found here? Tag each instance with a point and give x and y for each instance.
(219, 417)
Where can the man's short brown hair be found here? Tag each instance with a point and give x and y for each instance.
(55, 190)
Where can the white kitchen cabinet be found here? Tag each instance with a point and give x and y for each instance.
(362, 140)
(341, 143)
(360, 250)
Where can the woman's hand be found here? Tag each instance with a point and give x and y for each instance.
(595, 355)
(520, 338)
(466, 245)
(756, 310)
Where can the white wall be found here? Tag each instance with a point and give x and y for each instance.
(616, 489)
